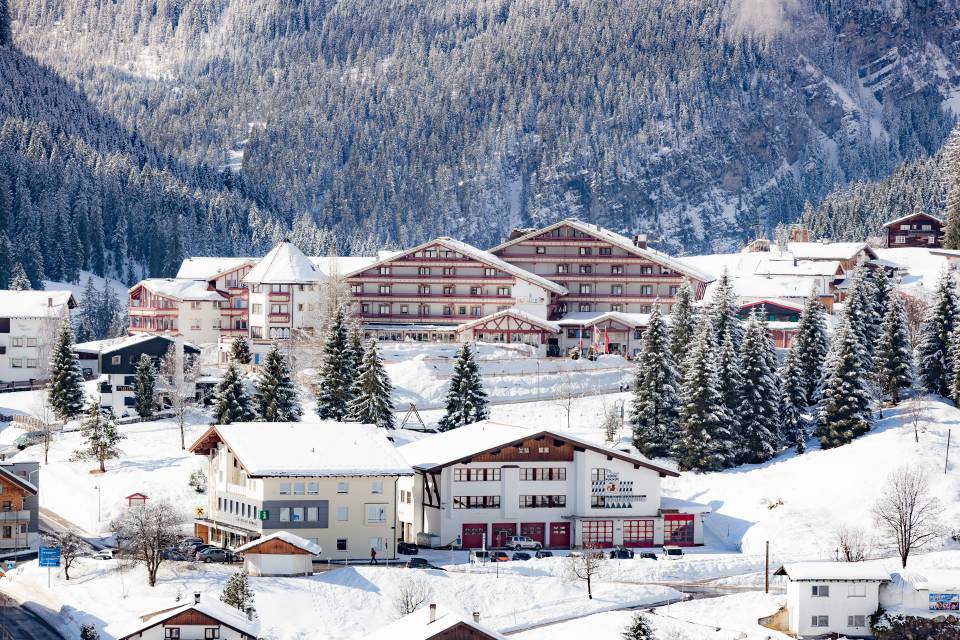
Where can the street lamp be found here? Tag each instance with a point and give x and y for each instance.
(97, 487)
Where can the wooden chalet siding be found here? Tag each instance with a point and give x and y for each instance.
(460, 631)
(191, 617)
(12, 493)
(562, 452)
(916, 236)
(277, 547)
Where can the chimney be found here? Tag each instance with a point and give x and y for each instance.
(640, 240)
(49, 302)
(476, 617)
(433, 613)
(196, 597)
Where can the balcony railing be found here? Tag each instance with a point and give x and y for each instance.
(279, 295)
(439, 277)
(23, 515)
(278, 317)
(452, 297)
(417, 317)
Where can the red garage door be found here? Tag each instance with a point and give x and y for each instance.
(678, 530)
(473, 535)
(597, 533)
(534, 531)
(638, 533)
(502, 531)
(560, 535)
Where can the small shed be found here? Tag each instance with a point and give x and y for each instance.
(136, 500)
(279, 554)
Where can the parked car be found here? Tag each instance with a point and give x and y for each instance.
(216, 554)
(103, 554)
(191, 540)
(172, 553)
(421, 563)
(621, 553)
(648, 556)
(29, 439)
(479, 555)
(543, 554)
(520, 555)
(672, 553)
(192, 549)
(522, 542)
(408, 548)
(499, 556)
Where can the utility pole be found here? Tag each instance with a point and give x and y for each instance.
(946, 458)
(766, 569)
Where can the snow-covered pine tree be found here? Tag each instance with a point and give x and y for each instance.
(19, 281)
(65, 388)
(759, 414)
(100, 437)
(6, 37)
(682, 324)
(810, 347)
(357, 350)
(893, 360)
(240, 351)
(656, 386)
(87, 631)
(861, 314)
(466, 400)
(935, 349)
(639, 628)
(882, 290)
(950, 169)
(705, 442)
(335, 380)
(145, 386)
(276, 398)
(372, 403)
(792, 403)
(844, 412)
(723, 310)
(238, 594)
(231, 402)
(87, 322)
(730, 379)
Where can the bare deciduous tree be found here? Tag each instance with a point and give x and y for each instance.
(587, 566)
(71, 547)
(411, 594)
(916, 310)
(47, 425)
(917, 411)
(907, 514)
(178, 385)
(852, 543)
(146, 530)
(567, 395)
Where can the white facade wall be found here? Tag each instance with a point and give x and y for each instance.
(27, 347)
(845, 600)
(531, 298)
(188, 632)
(199, 321)
(278, 564)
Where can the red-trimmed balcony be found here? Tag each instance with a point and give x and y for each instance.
(278, 295)
(433, 277)
(416, 297)
(278, 317)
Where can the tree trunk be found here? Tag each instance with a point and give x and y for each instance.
(589, 590)
(103, 469)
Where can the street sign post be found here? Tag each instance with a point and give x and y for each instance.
(49, 557)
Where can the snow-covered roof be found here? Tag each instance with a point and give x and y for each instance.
(109, 345)
(829, 250)
(451, 446)
(35, 304)
(618, 240)
(479, 255)
(207, 268)
(18, 480)
(417, 626)
(181, 289)
(813, 571)
(341, 265)
(285, 263)
(786, 304)
(790, 267)
(923, 266)
(516, 313)
(307, 449)
(290, 538)
(915, 214)
(774, 286)
(208, 605)
(683, 506)
(941, 580)
(588, 318)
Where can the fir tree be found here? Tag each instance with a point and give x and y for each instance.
(809, 348)
(655, 392)
(357, 351)
(276, 398)
(6, 37)
(240, 351)
(100, 437)
(935, 349)
(144, 386)
(759, 413)
(231, 403)
(639, 629)
(723, 310)
(951, 178)
(65, 389)
(371, 403)
(87, 321)
(730, 378)
(705, 442)
(466, 400)
(335, 383)
(882, 291)
(19, 281)
(238, 594)
(87, 631)
(861, 314)
(893, 359)
(844, 412)
(682, 324)
(792, 402)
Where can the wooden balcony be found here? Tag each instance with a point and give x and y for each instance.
(429, 279)
(453, 298)
(278, 295)
(234, 311)
(278, 317)
(628, 278)
(612, 297)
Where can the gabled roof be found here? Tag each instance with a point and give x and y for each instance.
(817, 571)
(616, 239)
(514, 313)
(786, 304)
(285, 536)
(909, 216)
(23, 483)
(829, 250)
(209, 606)
(284, 264)
(306, 449)
(417, 626)
(479, 255)
(109, 345)
(458, 445)
(180, 289)
(590, 318)
(208, 268)
(787, 266)
(35, 304)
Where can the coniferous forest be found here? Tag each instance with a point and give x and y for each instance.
(134, 133)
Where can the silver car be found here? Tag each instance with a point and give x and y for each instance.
(522, 542)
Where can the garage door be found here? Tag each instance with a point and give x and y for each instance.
(534, 531)
(502, 531)
(678, 530)
(473, 535)
(598, 533)
(638, 533)
(560, 535)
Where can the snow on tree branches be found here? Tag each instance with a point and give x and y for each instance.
(231, 403)
(466, 400)
(371, 403)
(844, 412)
(100, 437)
(935, 349)
(275, 397)
(65, 388)
(335, 380)
(655, 391)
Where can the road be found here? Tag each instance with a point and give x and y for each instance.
(17, 623)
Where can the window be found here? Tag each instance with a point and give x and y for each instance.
(376, 513)
(32, 363)
(343, 514)
(312, 514)
(646, 290)
(820, 621)
(616, 269)
(856, 621)
(616, 289)
(16, 363)
(284, 488)
(115, 360)
(343, 486)
(423, 289)
(476, 291)
(448, 290)
(297, 514)
(16, 341)
(857, 590)
(475, 312)
(820, 591)
(543, 450)
(586, 268)
(584, 306)
(616, 307)
(449, 271)
(376, 486)
(447, 310)
(384, 309)
(476, 502)
(905, 227)
(356, 288)
(384, 289)
(171, 632)
(425, 310)
(523, 449)
(423, 271)
(605, 251)
(341, 544)
(674, 290)
(313, 488)
(541, 250)
(646, 270)
(899, 239)
(543, 473)
(284, 514)
(211, 633)
(585, 251)
(563, 268)
(476, 475)
(299, 488)
(598, 533)
(586, 289)
(490, 272)
(503, 291)
(542, 502)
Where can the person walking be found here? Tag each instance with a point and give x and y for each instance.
(373, 556)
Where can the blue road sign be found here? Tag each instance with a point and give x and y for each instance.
(49, 556)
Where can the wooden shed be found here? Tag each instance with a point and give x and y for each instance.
(279, 554)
